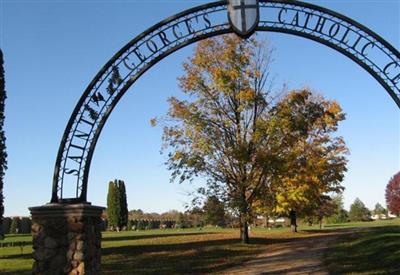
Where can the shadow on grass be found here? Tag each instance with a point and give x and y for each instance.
(341, 225)
(152, 236)
(374, 250)
(19, 272)
(16, 256)
(329, 231)
(183, 258)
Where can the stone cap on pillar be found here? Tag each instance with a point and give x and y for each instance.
(65, 210)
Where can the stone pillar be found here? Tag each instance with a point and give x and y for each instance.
(66, 239)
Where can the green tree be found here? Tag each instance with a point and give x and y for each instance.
(6, 225)
(379, 210)
(195, 217)
(358, 211)
(113, 206)
(3, 153)
(181, 221)
(123, 220)
(131, 224)
(326, 208)
(214, 211)
(136, 214)
(25, 225)
(340, 215)
(141, 225)
(15, 225)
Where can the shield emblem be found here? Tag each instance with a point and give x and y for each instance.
(243, 16)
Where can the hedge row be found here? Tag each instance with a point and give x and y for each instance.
(17, 225)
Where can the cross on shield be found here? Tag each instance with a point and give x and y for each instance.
(243, 16)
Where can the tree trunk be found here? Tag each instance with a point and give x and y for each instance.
(244, 231)
(293, 220)
(244, 216)
(244, 226)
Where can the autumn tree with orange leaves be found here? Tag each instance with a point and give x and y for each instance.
(315, 159)
(225, 129)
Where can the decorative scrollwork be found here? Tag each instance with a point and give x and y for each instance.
(77, 146)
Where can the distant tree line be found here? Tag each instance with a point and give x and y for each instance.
(332, 210)
(358, 212)
(213, 213)
(216, 212)
(150, 224)
(16, 225)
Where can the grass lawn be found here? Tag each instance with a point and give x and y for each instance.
(209, 250)
(16, 260)
(213, 250)
(184, 252)
(372, 248)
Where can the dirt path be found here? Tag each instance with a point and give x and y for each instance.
(297, 256)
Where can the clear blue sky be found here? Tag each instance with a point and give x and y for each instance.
(54, 48)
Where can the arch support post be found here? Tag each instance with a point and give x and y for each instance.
(66, 238)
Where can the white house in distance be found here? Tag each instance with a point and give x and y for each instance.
(391, 215)
(383, 216)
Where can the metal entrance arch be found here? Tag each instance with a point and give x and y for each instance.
(327, 27)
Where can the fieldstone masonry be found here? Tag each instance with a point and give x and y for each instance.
(66, 239)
